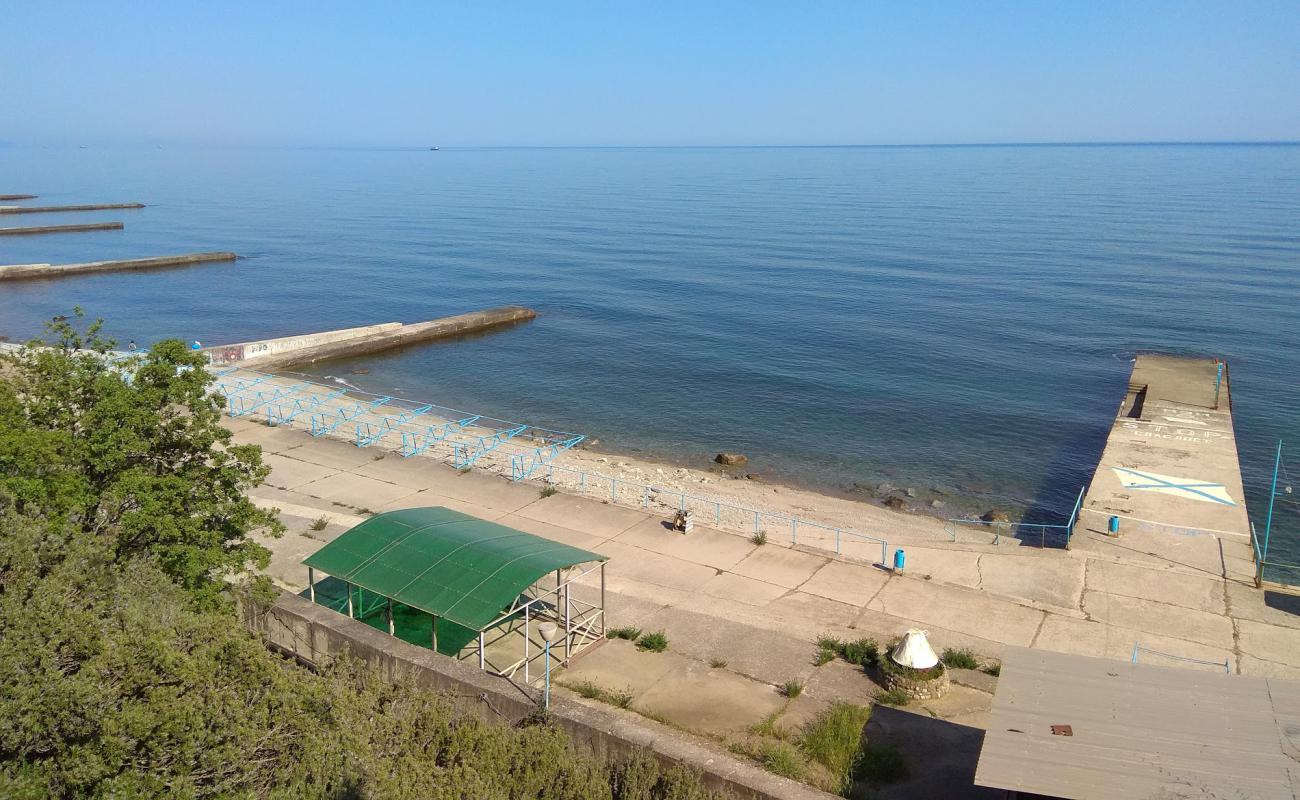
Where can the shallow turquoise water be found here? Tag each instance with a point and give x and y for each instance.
(958, 318)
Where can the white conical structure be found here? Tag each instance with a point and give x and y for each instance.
(914, 651)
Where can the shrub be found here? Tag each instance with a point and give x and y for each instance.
(759, 538)
(828, 642)
(834, 739)
(631, 634)
(959, 659)
(717, 663)
(548, 490)
(792, 688)
(621, 698)
(994, 669)
(655, 642)
(824, 656)
(782, 759)
(880, 764)
(863, 652)
(320, 523)
(894, 697)
(365, 512)
(767, 726)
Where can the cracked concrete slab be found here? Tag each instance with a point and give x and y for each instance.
(781, 566)
(291, 473)
(1055, 582)
(702, 546)
(1175, 587)
(1175, 621)
(853, 584)
(354, 490)
(959, 609)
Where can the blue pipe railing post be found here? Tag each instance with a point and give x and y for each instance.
(548, 675)
(1272, 495)
(1074, 517)
(1218, 381)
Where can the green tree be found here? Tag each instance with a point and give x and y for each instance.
(133, 450)
(113, 684)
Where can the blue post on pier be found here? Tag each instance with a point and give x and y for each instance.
(900, 559)
(1113, 526)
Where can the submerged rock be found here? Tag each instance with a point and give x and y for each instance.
(993, 515)
(731, 459)
(897, 503)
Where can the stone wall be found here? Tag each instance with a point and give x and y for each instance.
(314, 634)
(916, 687)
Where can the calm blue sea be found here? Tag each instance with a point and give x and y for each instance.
(950, 319)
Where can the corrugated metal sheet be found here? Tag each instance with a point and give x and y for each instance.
(443, 562)
(1138, 731)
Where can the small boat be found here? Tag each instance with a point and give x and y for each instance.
(435, 147)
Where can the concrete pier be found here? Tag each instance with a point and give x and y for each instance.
(89, 226)
(1169, 475)
(4, 197)
(309, 347)
(47, 209)
(36, 271)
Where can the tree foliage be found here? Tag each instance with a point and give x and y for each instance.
(122, 503)
(113, 684)
(132, 450)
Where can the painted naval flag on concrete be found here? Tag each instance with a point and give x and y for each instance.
(1191, 488)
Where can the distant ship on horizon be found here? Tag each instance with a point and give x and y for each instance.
(435, 147)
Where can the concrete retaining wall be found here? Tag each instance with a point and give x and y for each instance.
(315, 634)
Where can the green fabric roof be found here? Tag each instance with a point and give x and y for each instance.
(443, 562)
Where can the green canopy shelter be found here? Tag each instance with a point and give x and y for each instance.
(469, 575)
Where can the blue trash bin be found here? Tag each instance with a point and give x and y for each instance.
(899, 560)
(1113, 527)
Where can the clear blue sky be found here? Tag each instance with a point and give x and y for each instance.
(615, 73)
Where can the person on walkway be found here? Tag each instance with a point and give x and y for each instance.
(130, 346)
(197, 345)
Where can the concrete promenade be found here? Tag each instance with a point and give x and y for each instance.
(714, 581)
(742, 618)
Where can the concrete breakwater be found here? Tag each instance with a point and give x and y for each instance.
(4, 197)
(33, 271)
(1169, 480)
(89, 226)
(47, 209)
(309, 347)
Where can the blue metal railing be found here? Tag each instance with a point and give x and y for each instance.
(372, 419)
(1139, 648)
(688, 502)
(1020, 530)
